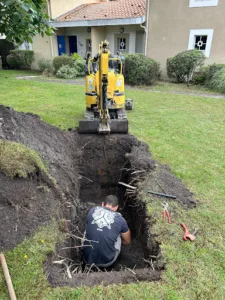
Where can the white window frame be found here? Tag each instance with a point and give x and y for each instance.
(2, 36)
(89, 45)
(118, 45)
(194, 32)
(203, 3)
(24, 46)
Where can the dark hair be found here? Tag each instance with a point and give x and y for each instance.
(111, 200)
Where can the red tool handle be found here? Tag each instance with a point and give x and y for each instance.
(187, 234)
(185, 228)
(169, 219)
(166, 213)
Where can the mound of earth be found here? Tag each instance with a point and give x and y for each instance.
(86, 168)
(26, 203)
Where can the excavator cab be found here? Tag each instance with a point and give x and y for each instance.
(105, 95)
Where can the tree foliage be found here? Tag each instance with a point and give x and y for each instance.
(21, 20)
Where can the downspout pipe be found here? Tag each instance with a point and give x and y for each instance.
(50, 15)
(147, 25)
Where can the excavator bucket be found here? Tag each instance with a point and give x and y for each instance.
(95, 126)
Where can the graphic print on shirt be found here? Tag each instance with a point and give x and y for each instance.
(103, 217)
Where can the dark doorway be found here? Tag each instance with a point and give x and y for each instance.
(73, 44)
(61, 44)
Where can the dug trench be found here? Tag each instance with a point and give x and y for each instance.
(86, 168)
(106, 161)
(107, 164)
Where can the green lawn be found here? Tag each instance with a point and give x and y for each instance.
(165, 86)
(187, 133)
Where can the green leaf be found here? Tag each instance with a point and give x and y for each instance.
(9, 2)
(15, 17)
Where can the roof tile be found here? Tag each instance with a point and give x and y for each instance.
(117, 9)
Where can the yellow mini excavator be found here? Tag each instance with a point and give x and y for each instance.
(105, 97)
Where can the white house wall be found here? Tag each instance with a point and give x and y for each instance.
(47, 47)
(110, 33)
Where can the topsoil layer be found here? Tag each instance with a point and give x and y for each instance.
(86, 168)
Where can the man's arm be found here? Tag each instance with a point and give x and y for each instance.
(126, 237)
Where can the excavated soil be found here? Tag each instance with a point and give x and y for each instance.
(26, 203)
(87, 168)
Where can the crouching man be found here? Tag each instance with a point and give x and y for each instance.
(105, 231)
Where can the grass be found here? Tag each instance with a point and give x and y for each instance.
(37, 97)
(18, 160)
(165, 86)
(184, 131)
(25, 263)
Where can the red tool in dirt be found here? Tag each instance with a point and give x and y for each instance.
(187, 234)
(166, 212)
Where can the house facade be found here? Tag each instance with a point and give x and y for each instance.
(82, 25)
(179, 25)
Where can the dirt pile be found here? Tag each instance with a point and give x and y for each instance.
(26, 203)
(86, 168)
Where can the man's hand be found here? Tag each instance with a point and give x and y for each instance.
(126, 237)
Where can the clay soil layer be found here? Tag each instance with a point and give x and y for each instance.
(86, 168)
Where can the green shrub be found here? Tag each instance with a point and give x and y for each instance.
(45, 64)
(182, 66)
(211, 71)
(79, 65)
(217, 81)
(76, 56)
(140, 70)
(13, 62)
(200, 76)
(63, 60)
(67, 72)
(20, 59)
(0, 62)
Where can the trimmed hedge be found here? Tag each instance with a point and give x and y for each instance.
(20, 59)
(141, 70)
(0, 62)
(182, 66)
(63, 60)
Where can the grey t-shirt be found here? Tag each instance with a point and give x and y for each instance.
(102, 229)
